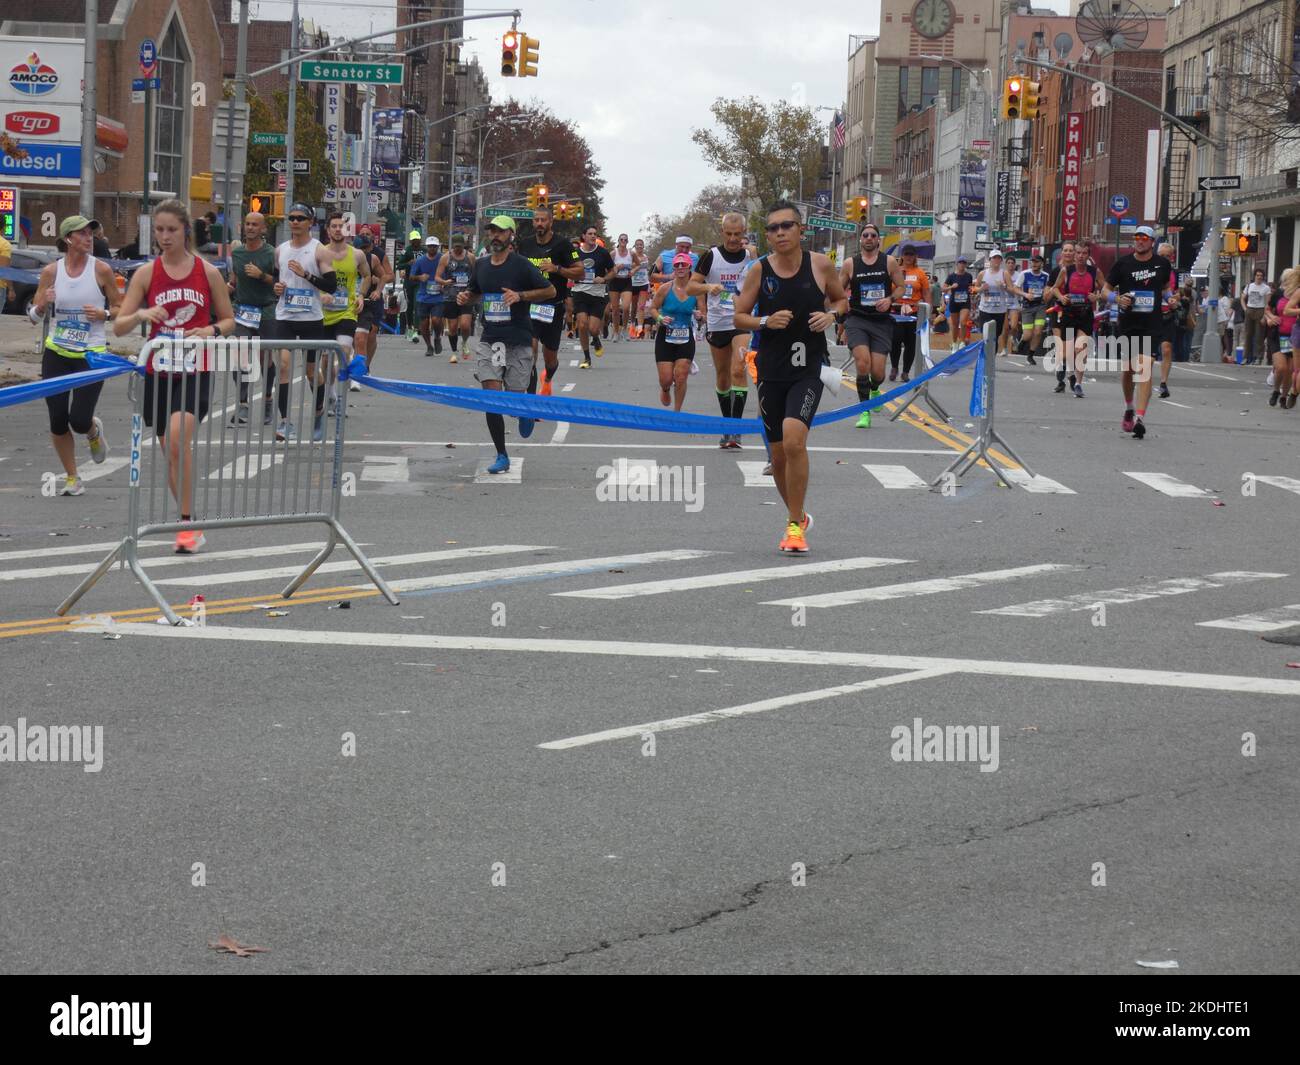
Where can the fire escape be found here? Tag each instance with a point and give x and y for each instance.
(1181, 201)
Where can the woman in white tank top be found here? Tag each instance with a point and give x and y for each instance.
(620, 288)
(994, 288)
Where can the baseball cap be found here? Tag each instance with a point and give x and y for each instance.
(502, 221)
(962, 259)
(72, 224)
(995, 254)
(1145, 231)
(682, 259)
(909, 249)
(684, 240)
(431, 242)
(458, 240)
(413, 235)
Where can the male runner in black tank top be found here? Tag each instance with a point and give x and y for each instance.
(787, 297)
(871, 279)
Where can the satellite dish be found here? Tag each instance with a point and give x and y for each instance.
(1062, 43)
(1119, 25)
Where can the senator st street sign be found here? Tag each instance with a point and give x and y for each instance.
(821, 222)
(345, 70)
(1205, 184)
(275, 140)
(909, 221)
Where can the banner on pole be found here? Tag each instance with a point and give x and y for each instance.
(465, 205)
(974, 181)
(1070, 177)
(333, 123)
(386, 149)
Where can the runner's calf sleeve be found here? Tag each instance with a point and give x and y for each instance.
(724, 402)
(738, 396)
(866, 383)
(497, 430)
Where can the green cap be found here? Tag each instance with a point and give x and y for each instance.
(503, 221)
(413, 235)
(71, 225)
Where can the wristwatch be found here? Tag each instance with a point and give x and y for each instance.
(762, 322)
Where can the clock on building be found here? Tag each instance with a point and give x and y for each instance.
(933, 18)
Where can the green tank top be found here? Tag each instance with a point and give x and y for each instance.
(345, 289)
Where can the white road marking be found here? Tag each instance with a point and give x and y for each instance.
(927, 587)
(92, 472)
(239, 469)
(1290, 484)
(1038, 483)
(754, 475)
(155, 563)
(719, 580)
(80, 549)
(573, 362)
(894, 476)
(511, 476)
(387, 468)
(1173, 404)
(710, 716)
(624, 649)
(561, 431)
(345, 565)
(1170, 486)
(542, 569)
(1282, 617)
(1206, 373)
(1042, 608)
(569, 387)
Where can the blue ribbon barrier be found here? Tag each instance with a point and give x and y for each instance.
(107, 366)
(977, 404)
(956, 361)
(23, 277)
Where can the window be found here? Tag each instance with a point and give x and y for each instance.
(929, 85)
(1248, 53)
(170, 155)
(902, 91)
(1207, 67)
(956, 88)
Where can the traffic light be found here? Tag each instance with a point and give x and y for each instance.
(268, 204)
(576, 209)
(1247, 244)
(1013, 97)
(509, 54)
(1029, 101)
(857, 209)
(561, 211)
(527, 56)
(1230, 241)
(537, 196)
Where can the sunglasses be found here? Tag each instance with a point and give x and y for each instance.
(780, 227)
(299, 218)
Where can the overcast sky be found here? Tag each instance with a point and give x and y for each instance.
(636, 78)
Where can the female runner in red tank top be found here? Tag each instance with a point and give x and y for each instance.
(181, 296)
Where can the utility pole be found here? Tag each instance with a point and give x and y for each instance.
(88, 112)
(234, 207)
(367, 139)
(1211, 349)
(289, 149)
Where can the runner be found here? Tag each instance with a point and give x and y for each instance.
(557, 258)
(786, 297)
(664, 272)
(372, 307)
(620, 288)
(1030, 285)
(83, 293)
(507, 283)
(304, 274)
(640, 285)
(871, 278)
(1064, 259)
(956, 287)
(1171, 311)
(674, 339)
(179, 295)
(453, 275)
(252, 289)
(413, 250)
(342, 308)
(1075, 290)
(915, 289)
(993, 286)
(1286, 379)
(718, 274)
(591, 293)
(428, 296)
(1135, 279)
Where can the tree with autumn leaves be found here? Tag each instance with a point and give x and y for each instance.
(309, 143)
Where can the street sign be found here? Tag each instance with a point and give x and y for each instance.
(984, 245)
(140, 84)
(1205, 184)
(509, 212)
(276, 140)
(823, 200)
(909, 221)
(281, 166)
(148, 56)
(1118, 204)
(832, 223)
(357, 73)
(1001, 234)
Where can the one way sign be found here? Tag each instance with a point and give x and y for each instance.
(1207, 183)
(280, 166)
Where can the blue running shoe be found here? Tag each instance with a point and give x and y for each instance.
(502, 464)
(526, 427)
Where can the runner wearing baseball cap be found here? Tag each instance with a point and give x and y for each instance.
(428, 296)
(681, 246)
(453, 273)
(1138, 280)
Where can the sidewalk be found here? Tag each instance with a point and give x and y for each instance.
(20, 349)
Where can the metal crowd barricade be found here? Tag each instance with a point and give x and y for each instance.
(240, 475)
(924, 312)
(986, 435)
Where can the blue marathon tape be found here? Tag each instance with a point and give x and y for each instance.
(106, 366)
(977, 397)
(23, 277)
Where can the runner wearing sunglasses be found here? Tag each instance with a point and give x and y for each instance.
(1138, 279)
(871, 278)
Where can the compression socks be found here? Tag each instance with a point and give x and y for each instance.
(282, 400)
(497, 430)
(738, 397)
(724, 402)
(453, 337)
(865, 384)
(532, 381)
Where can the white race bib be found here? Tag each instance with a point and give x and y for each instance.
(299, 298)
(249, 317)
(72, 333)
(1144, 301)
(871, 293)
(495, 308)
(678, 334)
(543, 312)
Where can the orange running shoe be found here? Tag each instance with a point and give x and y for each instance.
(545, 390)
(750, 356)
(795, 543)
(188, 541)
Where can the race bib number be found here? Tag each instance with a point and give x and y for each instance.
(249, 317)
(1035, 290)
(495, 308)
(1144, 301)
(870, 293)
(340, 298)
(542, 312)
(432, 288)
(1285, 343)
(641, 277)
(461, 280)
(907, 291)
(960, 295)
(1076, 297)
(72, 333)
(623, 271)
(299, 299)
(727, 297)
(678, 334)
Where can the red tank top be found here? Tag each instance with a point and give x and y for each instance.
(188, 301)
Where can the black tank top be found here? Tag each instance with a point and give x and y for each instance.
(796, 351)
(870, 283)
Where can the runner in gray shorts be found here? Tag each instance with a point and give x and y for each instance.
(877, 334)
(511, 364)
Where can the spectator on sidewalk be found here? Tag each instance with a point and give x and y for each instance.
(1257, 302)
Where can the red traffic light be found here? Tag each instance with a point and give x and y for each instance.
(1013, 85)
(510, 40)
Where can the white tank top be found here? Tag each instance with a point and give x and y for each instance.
(300, 301)
(721, 310)
(623, 262)
(71, 330)
(993, 300)
(641, 275)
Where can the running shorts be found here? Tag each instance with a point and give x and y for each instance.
(620, 284)
(876, 334)
(666, 352)
(167, 393)
(722, 338)
(548, 334)
(586, 303)
(778, 400)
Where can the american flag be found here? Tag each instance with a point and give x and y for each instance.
(838, 130)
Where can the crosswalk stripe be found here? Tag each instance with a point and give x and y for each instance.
(511, 476)
(1288, 483)
(155, 563)
(569, 387)
(926, 587)
(1118, 596)
(561, 431)
(346, 565)
(719, 580)
(541, 570)
(94, 472)
(386, 468)
(573, 362)
(1038, 483)
(754, 475)
(1282, 617)
(239, 469)
(1170, 486)
(76, 549)
(894, 476)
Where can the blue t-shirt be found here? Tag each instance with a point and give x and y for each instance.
(428, 291)
(666, 261)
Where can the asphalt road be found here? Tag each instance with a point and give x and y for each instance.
(770, 689)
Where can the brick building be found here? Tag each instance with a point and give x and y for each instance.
(913, 163)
